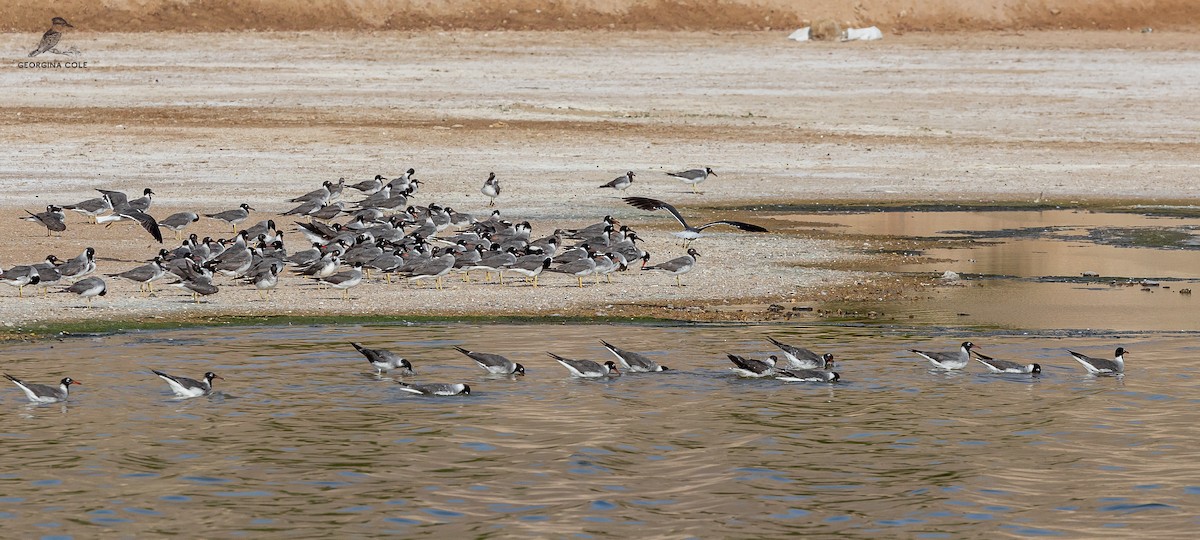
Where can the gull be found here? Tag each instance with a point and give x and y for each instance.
(621, 183)
(345, 280)
(632, 361)
(491, 188)
(677, 266)
(266, 280)
(189, 388)
(178, 221)
(749, 367)
(587, 369)
(88, 288)
(494, 363)
(41, 393)
(693, 177)
(948, 360)
(92, 207)
(807, 375)
(1101, 366)
(20, 276)
(801, 358)
(53, 219)
(80, 266)
(1004, 366)
(233, 217)
(437, 389)
(384, 360)
(145, 275)
(688, 233)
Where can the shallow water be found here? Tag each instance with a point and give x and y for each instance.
(304, 440)
(1043, 256)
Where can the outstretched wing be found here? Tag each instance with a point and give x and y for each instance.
(147, 222)
(750, 227)
(646, 203)
(117, 198)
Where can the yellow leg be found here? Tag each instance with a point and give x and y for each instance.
(580, 281)
(467, 277)
(677, 282)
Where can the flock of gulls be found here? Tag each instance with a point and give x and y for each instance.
(383, 233)
(795, 364)
(345, 242)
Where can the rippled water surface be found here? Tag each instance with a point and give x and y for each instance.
(304, 440)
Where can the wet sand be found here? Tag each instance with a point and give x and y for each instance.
(212, 120)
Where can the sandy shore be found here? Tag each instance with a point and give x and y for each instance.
(212, 120)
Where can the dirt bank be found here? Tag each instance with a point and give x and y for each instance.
(891, 15)
(210, 120)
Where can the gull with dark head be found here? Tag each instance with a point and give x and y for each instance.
(1004, 366)
(587, 369)
(1102, 366)
(949, 360)
(801, 358)
(493, 363)
(189, 388)
(693, 177)
(437, 389)
(384, 360)
(677, 266)
(42, 393)
(633, 362)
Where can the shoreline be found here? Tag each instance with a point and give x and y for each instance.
(918, 119)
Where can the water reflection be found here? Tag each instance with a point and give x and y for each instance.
(304, 438)
(1027, 269)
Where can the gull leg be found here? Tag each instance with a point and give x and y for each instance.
(580, 279)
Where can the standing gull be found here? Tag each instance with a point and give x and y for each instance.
(491, 188)
(178, 221)
(233, 217)
(88, 288)
(693, 177)
(677, 266)
(53, 219)
(621, 183)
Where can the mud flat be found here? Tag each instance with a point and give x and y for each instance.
(212, 120)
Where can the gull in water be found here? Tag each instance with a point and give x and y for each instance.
(949, 360)
(1004, 366)
(189, 388)
(41, 393)
(1102, 366)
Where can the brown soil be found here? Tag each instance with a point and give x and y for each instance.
(892, 15)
